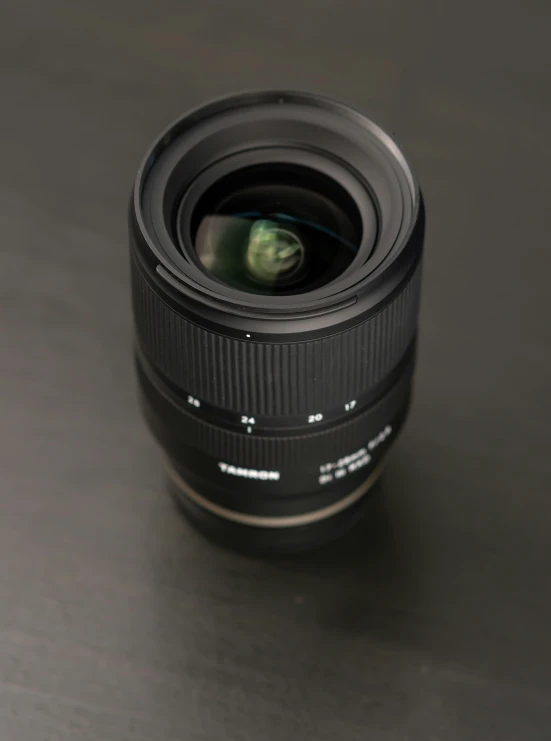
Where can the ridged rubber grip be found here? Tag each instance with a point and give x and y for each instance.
(177, 428)
(274, 379)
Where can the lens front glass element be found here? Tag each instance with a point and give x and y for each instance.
(276, 230)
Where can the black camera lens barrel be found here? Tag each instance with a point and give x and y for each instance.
(275, 411)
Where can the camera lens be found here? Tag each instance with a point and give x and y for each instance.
(276, 230)
(276, 242)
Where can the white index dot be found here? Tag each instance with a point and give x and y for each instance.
(248, 335)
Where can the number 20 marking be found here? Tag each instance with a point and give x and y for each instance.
(351, 404)
(315, 418)
(193, 401)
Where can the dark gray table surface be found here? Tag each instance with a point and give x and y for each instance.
(432, 622)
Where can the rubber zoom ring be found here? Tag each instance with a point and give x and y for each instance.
(176, 429)
(274, 379)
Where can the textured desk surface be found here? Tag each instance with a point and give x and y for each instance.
(120, 623)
